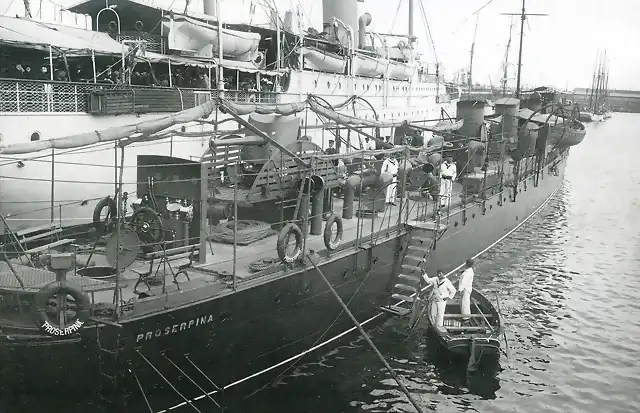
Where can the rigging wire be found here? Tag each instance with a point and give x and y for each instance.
(471, 15)
(426, 23)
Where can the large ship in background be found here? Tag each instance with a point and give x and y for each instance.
(76, 83)
(198, 161)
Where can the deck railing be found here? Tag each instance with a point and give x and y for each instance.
(20, 96)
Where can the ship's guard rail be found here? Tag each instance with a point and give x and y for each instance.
(27, 96)
(220, 227)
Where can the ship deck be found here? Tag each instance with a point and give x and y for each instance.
(215, 275)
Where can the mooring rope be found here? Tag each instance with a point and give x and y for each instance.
(248, 231)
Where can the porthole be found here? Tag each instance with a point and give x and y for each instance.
(35, 136)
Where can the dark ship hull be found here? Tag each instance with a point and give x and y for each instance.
(243, 339)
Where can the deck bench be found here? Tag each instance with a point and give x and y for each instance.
(177, 260)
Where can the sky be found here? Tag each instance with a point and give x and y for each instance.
(559, 50)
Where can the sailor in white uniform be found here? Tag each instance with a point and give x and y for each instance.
(448, 174)
(442, 292)
(390, 165)
(465, 286)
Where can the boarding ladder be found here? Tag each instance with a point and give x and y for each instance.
(110, 368)
(422, 241)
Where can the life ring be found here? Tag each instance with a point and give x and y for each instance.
(251, 98)
(83, 307)
(330, 243)
(283, 240)
(104, 226)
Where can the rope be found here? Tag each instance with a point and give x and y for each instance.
(263, 264)
(249, 231)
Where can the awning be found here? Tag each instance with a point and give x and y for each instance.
(246, 67)
(27, 33)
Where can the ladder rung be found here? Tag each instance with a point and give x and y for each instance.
(112, 378)
(422, 239)
(409, 278)
(405, 287)
(413, 268)
(415, 257)
(421, 248)
(107, 351)
(402, 297)
(396, 310)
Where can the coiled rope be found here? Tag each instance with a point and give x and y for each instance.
(249, 231)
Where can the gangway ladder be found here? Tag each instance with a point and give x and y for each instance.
(422, 242)
(109, 365)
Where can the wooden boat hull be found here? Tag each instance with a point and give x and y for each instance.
(368, 66)
(315, 59)
(226, 335)
(461, 339)
(566, 136)
(191, 35)
(401, 71)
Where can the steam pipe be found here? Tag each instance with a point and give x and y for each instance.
(317, 201)
(363, 22)
(237, 140)
(367, 177)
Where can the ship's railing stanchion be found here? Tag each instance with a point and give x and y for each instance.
(235, 226)
(119, 172)
(53, 182)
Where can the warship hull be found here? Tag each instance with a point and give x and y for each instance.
(244, 340)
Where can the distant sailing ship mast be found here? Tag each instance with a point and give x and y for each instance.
(523, 16)
(505, 66)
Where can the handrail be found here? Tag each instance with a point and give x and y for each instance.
(46, 96)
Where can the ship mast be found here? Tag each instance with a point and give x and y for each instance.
(473, 46)
(411, 37)
(505, 71)
(27, 9)
(523, 17)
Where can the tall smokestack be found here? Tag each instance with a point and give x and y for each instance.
(344, 10)
(209, 7)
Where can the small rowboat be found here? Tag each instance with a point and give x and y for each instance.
(481, 332)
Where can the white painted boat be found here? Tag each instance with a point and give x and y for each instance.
(316, 59)
(196, 37)
(369, 66)
(401, 71)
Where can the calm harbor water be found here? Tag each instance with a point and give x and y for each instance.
(568, 282)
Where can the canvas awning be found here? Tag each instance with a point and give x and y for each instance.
(20, 32)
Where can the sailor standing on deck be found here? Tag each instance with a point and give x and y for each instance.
(465, 286)
(448, 174)
(390, 165)
(442, 292)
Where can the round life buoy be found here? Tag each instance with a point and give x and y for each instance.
(82, 304)
(251, 98)
(283, 241)
(103, 226)
(333, 242)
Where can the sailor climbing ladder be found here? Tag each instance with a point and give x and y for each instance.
(422, 241)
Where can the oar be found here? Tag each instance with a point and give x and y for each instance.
(504, 330)
(482, 314)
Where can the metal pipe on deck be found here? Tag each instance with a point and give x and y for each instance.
(317, 203)
(365, 335)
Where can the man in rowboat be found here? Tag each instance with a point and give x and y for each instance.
(465, 286)
(442, 292)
